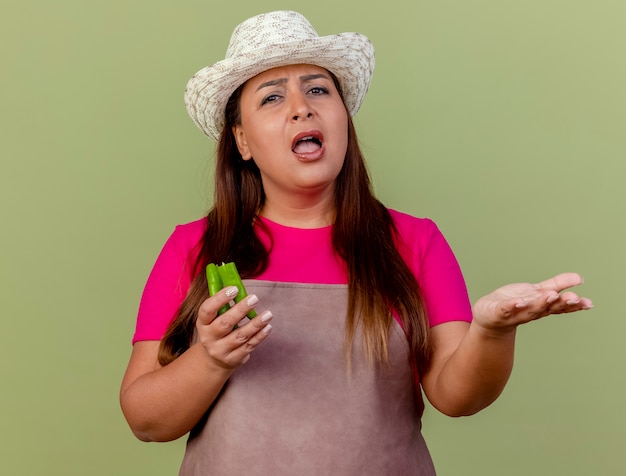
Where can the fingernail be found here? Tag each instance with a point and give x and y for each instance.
(551, 299)
(571, 302)
(252, 300)
(266, 330)
(231, 291)
(266, 316)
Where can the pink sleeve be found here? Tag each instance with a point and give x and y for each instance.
(437, 271)
(441, 280)
(168, 282)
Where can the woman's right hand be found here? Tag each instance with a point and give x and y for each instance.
(229, 339)
(164, 403)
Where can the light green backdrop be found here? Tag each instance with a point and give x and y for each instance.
(505, 121)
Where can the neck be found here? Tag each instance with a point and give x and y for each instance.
(303, 212)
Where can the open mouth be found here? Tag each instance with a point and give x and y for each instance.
(307, 142)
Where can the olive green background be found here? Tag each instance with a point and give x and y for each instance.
(504, 121)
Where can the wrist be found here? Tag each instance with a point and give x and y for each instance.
(491, 332)
(211, 364)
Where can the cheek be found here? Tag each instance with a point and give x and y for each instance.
(259, 142)
(342, 125)
(253, 136)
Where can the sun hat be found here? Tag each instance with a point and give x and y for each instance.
(271, 40)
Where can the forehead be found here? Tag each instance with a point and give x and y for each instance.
(286, 72)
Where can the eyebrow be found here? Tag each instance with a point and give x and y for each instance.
(304, 78)
(273, 82)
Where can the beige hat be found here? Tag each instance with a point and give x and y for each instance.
(277, 39)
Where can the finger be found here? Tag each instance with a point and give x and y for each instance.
(582, 302)
(250, 327)
(236, 348)
(209, 308)
(245, 339)
(253, 343)
(569, 302)
(231, 319)
(570, 298)
(560, 282)
(586, 303)
(546, 303)
(553, 303)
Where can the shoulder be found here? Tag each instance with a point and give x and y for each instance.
(188, 235)
(193, 227)
(412, 228)
(184, 242)
(415, 237)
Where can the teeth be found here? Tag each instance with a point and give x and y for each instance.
(310, 138)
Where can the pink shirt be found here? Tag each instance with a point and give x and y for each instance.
(306, 256)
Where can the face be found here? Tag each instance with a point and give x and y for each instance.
(295, 126)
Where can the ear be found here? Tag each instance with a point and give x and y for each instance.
(242, 143)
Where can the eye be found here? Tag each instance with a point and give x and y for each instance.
(318, 90)
(270, 98)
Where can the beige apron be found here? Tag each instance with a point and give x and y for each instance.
(292, 409)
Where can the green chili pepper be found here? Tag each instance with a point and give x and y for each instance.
(226, 274)
(215, 285)
(230, 277)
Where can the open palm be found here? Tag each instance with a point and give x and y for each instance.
(514, 304)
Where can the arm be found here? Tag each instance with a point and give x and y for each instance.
(164, 403)
(472, 362)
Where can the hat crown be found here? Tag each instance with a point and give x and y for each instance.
(269, 29)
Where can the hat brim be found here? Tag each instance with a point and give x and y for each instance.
(349, 56)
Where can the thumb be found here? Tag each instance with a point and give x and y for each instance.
(560, 282)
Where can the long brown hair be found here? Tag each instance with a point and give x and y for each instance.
(364, 235)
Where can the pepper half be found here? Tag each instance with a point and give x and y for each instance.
(215, 284)
(226, 274)
(230, 277)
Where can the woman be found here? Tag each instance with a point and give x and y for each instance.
(371, 305)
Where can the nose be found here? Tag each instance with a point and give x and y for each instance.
(300, 108)
(302, 116)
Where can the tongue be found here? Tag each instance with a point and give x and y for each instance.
(306, 146)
